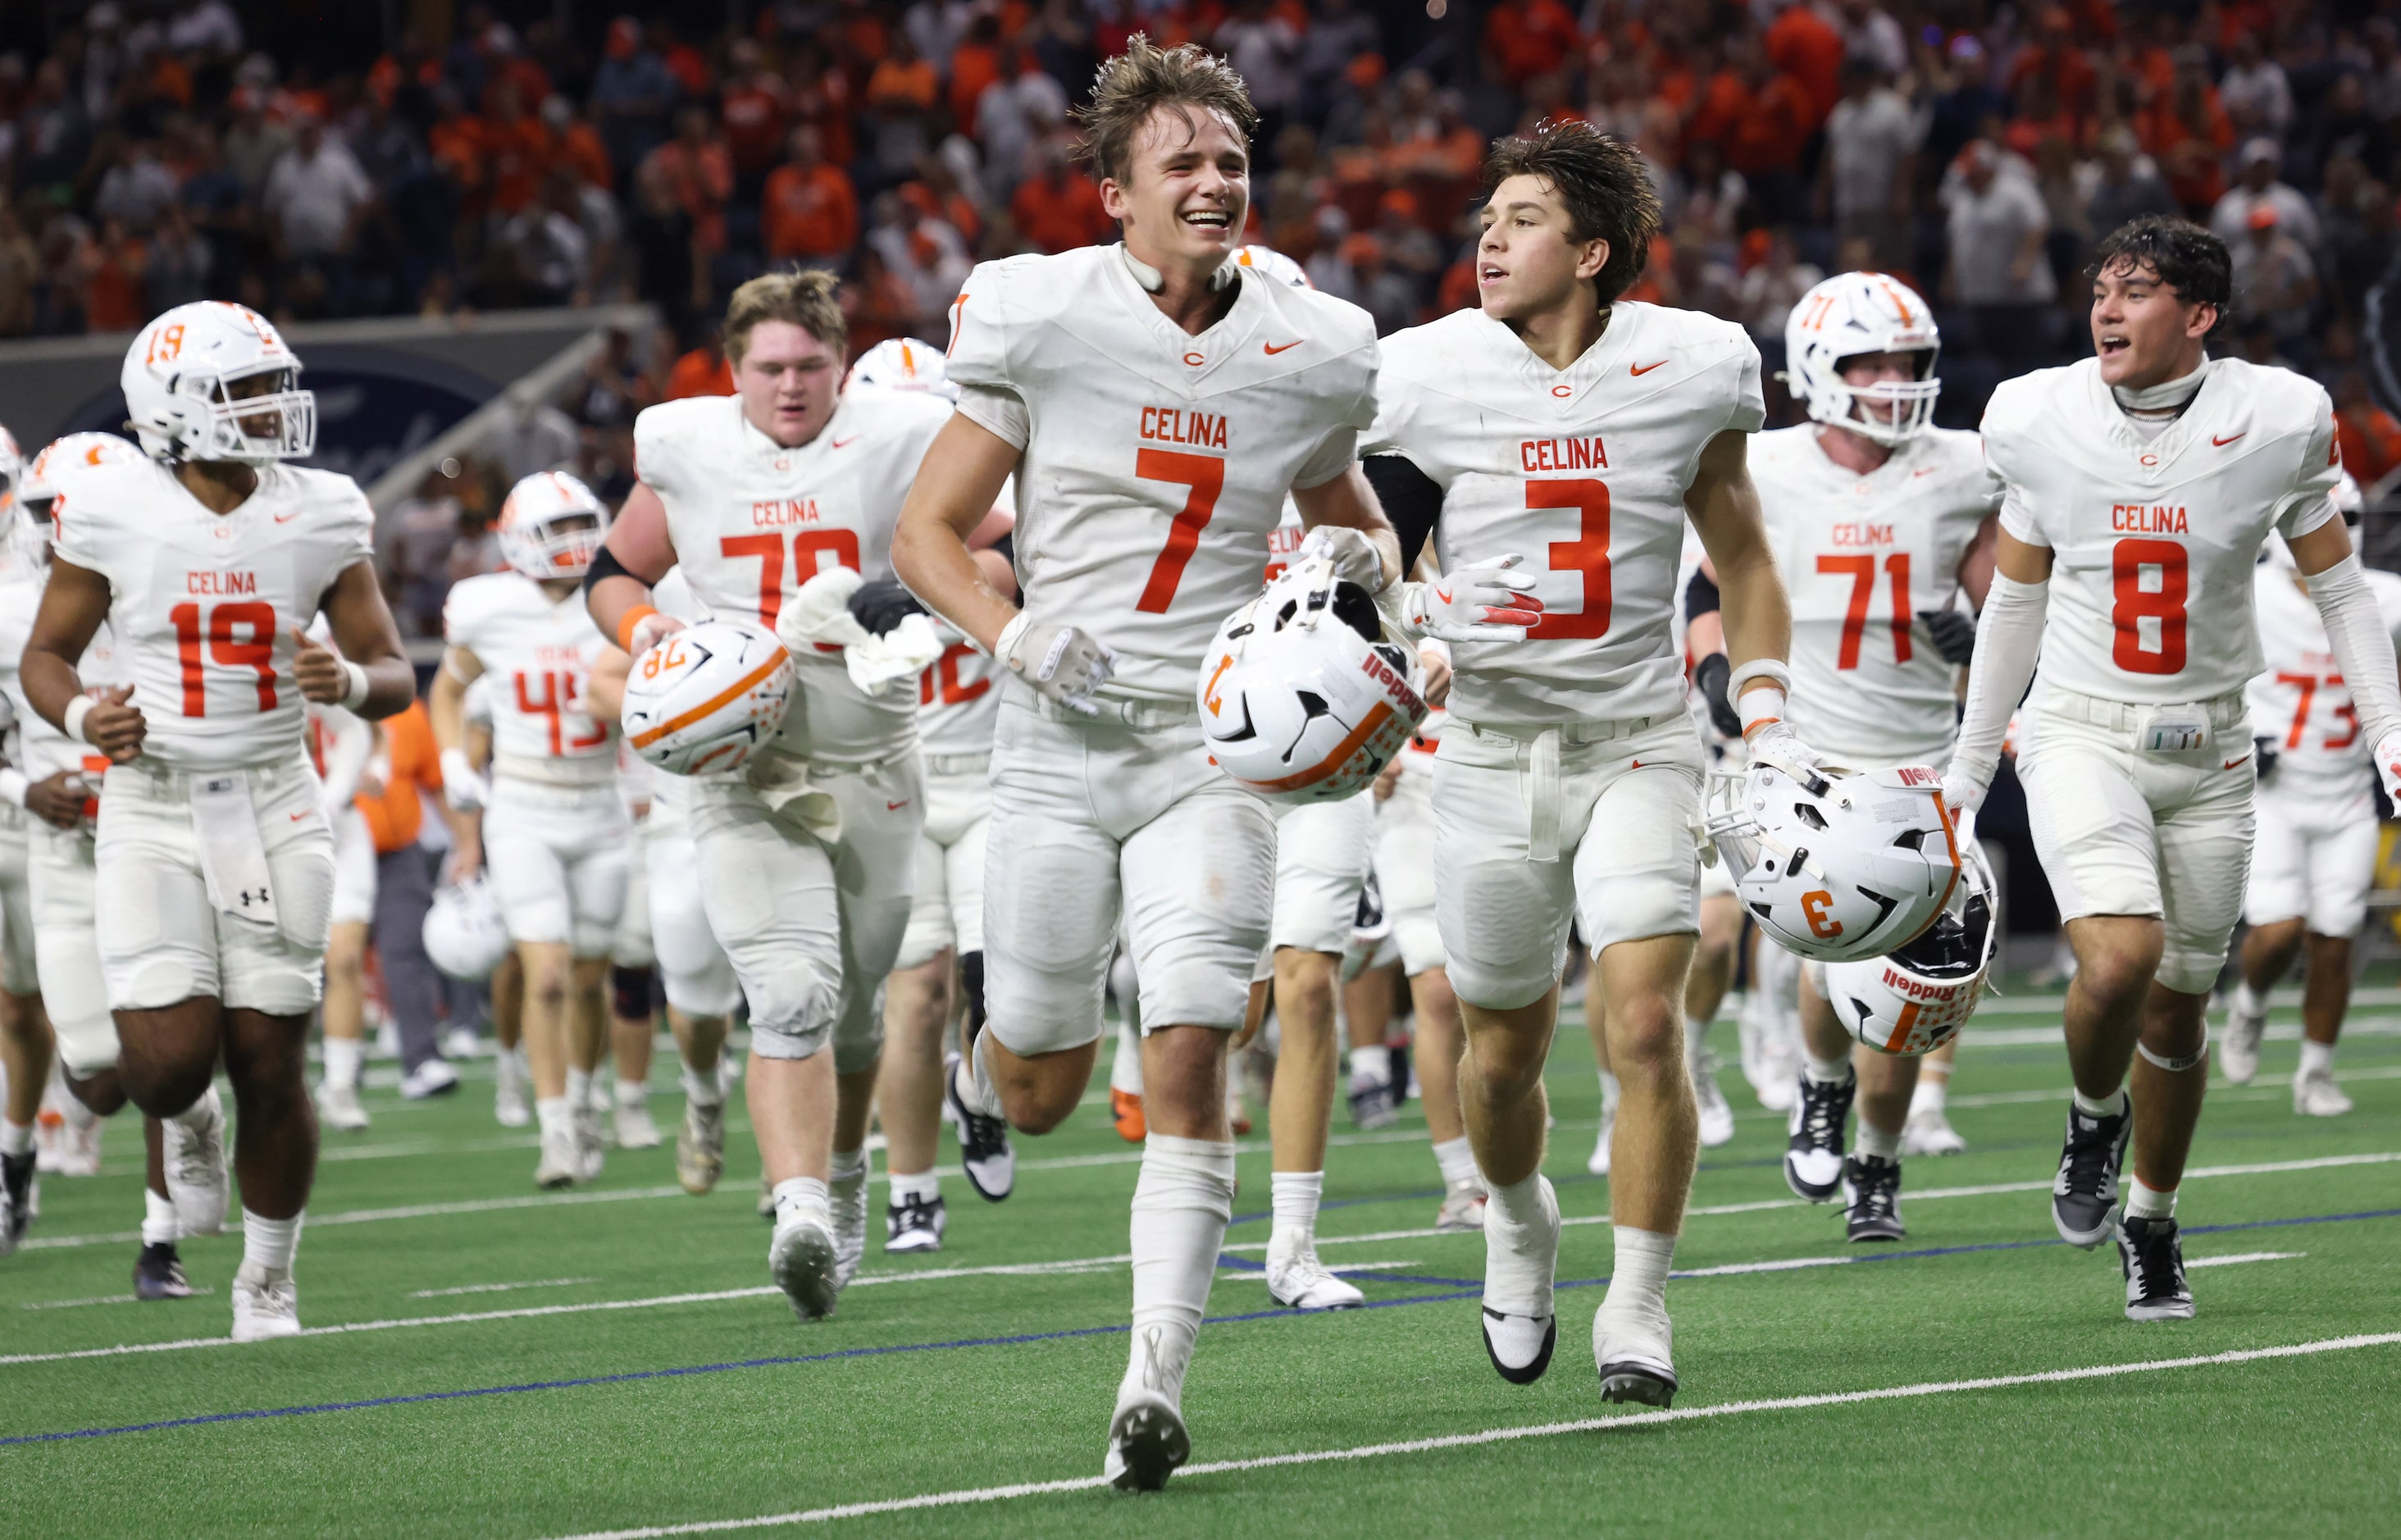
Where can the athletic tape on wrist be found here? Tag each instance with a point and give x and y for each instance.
(2176, 1065)
(72, 722)
(356, 696)
(13, 786)
(629, 620)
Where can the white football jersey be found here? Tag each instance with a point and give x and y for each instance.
(957, 703)
(34, 746)
(1583, 473)
(1860, 556)
(751, 521)
(204, 605)
(1155, 464)
(539, 653)
(2151, 587)
(2300, 702)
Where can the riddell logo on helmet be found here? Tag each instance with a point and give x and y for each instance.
(1919, 774)
(1918, 989)
(1382, 673)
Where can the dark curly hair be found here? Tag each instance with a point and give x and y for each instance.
(1602, 181)
(2187, 257)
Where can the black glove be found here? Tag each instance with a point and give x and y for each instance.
(1711, 676)
(883, 604)
(2263, 751)
(1954, 634)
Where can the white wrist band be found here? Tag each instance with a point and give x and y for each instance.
(356, 696)
(1005, 643)
(1770, 669)
(13, 786)
(72, 721)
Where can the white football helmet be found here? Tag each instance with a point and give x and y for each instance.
(464, 934)
(1836, 864)
(184, 382)
(1914, 999)
(705, 698)
(1297, 701)
(552, 526)
(904, 363)
(1273, 263)
(1860, 312)
(35, 530)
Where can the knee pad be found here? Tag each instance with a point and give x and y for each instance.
(2189, 972)
(971, 985)
(792, 1009)
(630, 993)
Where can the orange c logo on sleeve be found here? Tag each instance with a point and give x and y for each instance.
(1814, 905)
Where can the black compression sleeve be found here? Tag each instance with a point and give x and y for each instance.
(605, 565)
(1007, 546)
(1700, 596)
(1411, 500)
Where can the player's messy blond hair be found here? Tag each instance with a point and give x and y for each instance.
(1147, 78)
(806, 299)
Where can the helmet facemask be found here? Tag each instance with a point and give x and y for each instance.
(1908, 405)
(255, 415)
(562, 545)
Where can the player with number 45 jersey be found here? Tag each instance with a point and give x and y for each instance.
(1557, 441)
(2138, 487)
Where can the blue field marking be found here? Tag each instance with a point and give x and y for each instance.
(1466, 1290)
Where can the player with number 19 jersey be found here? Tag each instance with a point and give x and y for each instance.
(1583, 471)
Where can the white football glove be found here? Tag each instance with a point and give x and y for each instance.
(465, 790)
(1351, 553)
(1482, 601)
(1964, 785)
(651, 628)
(1065, 663)
(1779, 745)
(2388, 764)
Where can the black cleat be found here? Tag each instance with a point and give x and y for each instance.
(159, 1273)
(1641, 1383)
(16, 1198)
(1813, 1156)
(2152, 1256)
(1533, 1369)
(914, 1225)
(984, 1155)
(1871, 1196)
(2084, 1194)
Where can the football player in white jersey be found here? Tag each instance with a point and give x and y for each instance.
(1878, 520)
(26, 1045)
(2314, 859)
(808, 852)
(555, 825)
(2139, 486)
(214, 860)
(1562, 428)
(1157, 401)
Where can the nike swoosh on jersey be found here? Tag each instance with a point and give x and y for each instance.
(896, 806)
(1639, 370)
(845, 443)
(1275, 348)
(286, 518)
(2216, 443)
(2231, 763)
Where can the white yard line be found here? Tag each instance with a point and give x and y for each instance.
(1495, 1435)
(96, 1299)
(498, 1288)
(2191, 1262)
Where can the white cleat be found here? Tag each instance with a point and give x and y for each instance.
(1598, 1162)
(1520, 1326)
(195, 1168)
(1147, 1434)
(510, 1079)
(1929, 1132)
(2237, 1048)
(1634, 1350)
(1300, 1281)
(1463, 1209)
(847, 1196)
(634, 1128)
(77, 1152)
(561, 1162)
(2316, 1095)
(801, 1259)
(1717, 1118)
(700, 1147)
(265, 1304)
(338, 1105)
(591, 1143)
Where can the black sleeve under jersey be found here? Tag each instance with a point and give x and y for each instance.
(1700, 596)
(1411, 500)
(1006, 547)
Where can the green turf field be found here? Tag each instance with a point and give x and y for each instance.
(639, 1372)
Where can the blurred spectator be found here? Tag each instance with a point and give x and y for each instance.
(2125, 183)
(1022, 103)
(1531, 37)
(1865, 176)
(632, 92)
(1774, 283)
(1263, 45)
(702, 371)
(923, 249)
(2186, 131)
(2258, 98)
(900, 98)
(2369, 436)
(750, 114)
(2259, 188)
(1997, 226)
(812, 210)
(415, 549)
(694, 170)
(1058, 209)
(177, 267)
(1965, 104)
(1404, 245)
(1383, 293)
(2274, 281)
(136, 187)
(21, 268)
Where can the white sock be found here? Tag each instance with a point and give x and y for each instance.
(1931, 1092)
(1181, 1202)
(2316, 1059)
(2142, 1203)
(1373, 1063)
(704, 1090)
(1875, 1142)
(14, 1138)
(2246, 1001)
(974, 1082)
(555, 1115)
(199, 1115)
(1609, 1094)
(2110, 1108)
(1638, 1280)
(1457, 1163)
(81, 1117)
(1294, 1197)
(1514, 1283)
(922, 1188)
(579, 1089)
(633, 1092)
(803, 1200)
(1125, 1069)
(1833, 1071)
(344, 1057)
(159, 1226)
(847, 1165)
(268, 1245)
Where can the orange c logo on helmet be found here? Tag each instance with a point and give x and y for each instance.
(1814, 905)
(1210, 695)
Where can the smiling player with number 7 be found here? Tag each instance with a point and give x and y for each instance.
(1556, 441)
(2137, 489)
